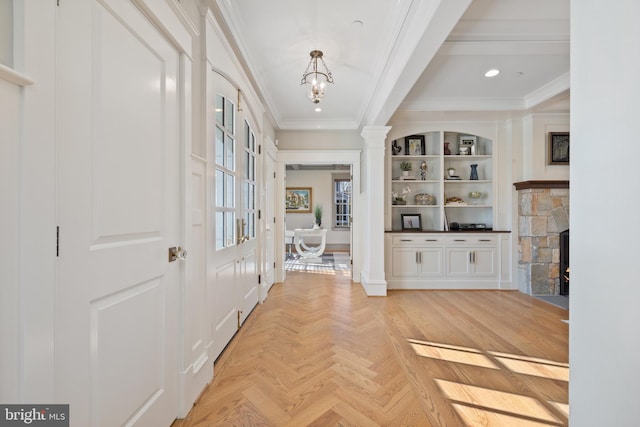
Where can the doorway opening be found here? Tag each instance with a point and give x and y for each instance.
(284, 179)
(318, 217)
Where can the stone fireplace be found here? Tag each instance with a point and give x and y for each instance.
(543, 213)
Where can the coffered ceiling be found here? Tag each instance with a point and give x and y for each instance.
(389, 55)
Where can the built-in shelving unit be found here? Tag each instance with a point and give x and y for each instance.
(433, 256)
(428, 149)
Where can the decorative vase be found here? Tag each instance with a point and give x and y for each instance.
(446, 148)
(474, 173)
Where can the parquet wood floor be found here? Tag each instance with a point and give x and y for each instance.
(319, 352)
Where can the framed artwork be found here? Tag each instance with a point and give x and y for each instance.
(558, 149)
(298, 199)
(411, 222)
(414, 145)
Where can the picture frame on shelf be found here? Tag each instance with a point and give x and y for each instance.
(299, 199)
(411, 222)
(414, 145)
(558, 148)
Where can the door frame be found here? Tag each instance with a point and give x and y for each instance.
(319, 157)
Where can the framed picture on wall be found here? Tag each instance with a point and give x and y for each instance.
(298, 199)
(558, 149)
(414, 145)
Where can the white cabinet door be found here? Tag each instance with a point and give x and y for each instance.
(471, 262)
(458, 264)
(430, 262)
(484, 262)
(404, 262)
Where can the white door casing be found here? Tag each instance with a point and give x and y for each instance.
(269, 181)
(118, 205)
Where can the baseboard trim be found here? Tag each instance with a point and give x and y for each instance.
(374, 288)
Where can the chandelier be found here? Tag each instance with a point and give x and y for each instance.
(317, 78)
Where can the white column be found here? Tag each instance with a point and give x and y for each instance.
(373, 279)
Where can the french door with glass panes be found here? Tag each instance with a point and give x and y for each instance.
(235, 280)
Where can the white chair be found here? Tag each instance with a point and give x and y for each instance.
(306, 251)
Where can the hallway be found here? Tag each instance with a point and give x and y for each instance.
(319, 352)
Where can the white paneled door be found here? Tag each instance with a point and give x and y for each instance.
(233, 287)
(118, 200)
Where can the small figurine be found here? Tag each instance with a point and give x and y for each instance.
(396, 148)
(423, 170)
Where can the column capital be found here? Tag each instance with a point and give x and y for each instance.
(374, 136)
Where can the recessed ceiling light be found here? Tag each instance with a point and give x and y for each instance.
(357, 23)
(492, 72)
(318, 109)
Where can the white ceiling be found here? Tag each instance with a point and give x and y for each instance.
(415, 55)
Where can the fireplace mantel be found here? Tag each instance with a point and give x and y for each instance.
(526, 185)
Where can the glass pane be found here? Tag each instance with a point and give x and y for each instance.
(229, 114)
(230, 183)
(252, 197)
(229, 228)
(252, 168)
(250, 224)
(219, 146)
(247, 163)
(228, 145)
(220, 109)
(219, 188)
(219, 230)
(253, 143)
(247, 135)
(246, 195)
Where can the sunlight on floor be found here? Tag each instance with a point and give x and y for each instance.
(533, 366)
(500, 408)
(452, 353)
(484, 406)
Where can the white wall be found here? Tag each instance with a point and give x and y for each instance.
(319, 140)
(533, 163)
(321, 183)
(27, 209)
(604, 344)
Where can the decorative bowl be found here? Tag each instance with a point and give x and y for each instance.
(424, 199)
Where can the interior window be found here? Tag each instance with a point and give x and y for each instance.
(342, 202)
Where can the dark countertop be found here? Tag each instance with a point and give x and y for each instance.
(449, 232)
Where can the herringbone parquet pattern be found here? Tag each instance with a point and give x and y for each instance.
(319, 352)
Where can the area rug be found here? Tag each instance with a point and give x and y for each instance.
(325, 263)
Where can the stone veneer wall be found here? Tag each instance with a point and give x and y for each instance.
(542, 214)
